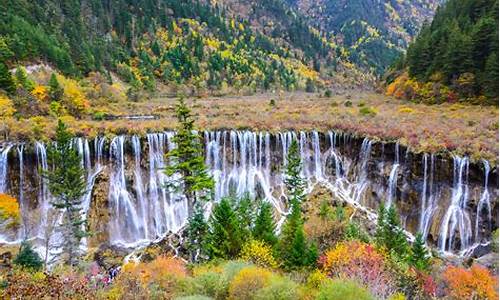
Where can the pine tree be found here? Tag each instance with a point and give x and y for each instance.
(187, 159)
(67, 185)
(224, 238)
(265, 225)
(245, 212)
(293, 246)
(389, 233)
(294, 182)
(55, 90)
(419, 258)
(22, 79)
(6, 80)
(196, 233)
(28, 258)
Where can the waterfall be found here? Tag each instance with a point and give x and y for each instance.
(125, 225)
(393, 183)
(456, 216)
(144, 208)
(484, 202)
(4, 154)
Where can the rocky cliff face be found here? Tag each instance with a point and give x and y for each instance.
(452, 201)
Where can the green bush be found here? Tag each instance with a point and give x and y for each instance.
(494, 241)
(281, 288)
(348, 103)
(328, 93)
(361, 104)
(210, 284)
(99, 116)
(28, 258)
(367, 111)
(343, 289)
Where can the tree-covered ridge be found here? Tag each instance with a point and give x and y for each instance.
(373, 33)
(180, 42)
(455, 57)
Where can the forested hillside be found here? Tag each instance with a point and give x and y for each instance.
(453, 58)
(373, 33)
(204, 45)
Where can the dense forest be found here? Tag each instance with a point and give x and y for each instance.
(454, 57)
(179, 42)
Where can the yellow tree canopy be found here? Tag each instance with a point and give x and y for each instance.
(9, 209)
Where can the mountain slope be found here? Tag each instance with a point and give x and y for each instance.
(373, 32)
(455, 57)
(193, 43)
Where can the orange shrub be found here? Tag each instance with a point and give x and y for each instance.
(363, 263)
(475, 283)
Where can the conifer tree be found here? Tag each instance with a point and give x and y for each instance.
(22, 79)
(224, 238)
(245, 212)
(6, 81)
(196, 233)
(389, 233)
(265, 225)
(28, 258)
(293, 245)
(67, 185)
(187, 159)
(419, 258)
(55, 90)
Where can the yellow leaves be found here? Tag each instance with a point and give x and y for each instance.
(41, 93)
(213, 44)
(259, 253)
(74, 99)
(241, 27)
(247, 281)
(6, 106)
(9, 210)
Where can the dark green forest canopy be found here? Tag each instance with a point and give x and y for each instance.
(78, 37)
(459, 48)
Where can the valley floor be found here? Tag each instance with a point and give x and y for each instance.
(456, 128)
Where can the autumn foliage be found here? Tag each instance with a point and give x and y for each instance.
(361, 262)
(474, 283)
(9, 209)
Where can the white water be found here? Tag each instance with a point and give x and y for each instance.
(456, 216)
(143, 209)
(484, 203)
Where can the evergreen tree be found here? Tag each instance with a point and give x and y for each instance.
(419, 258)
(294, 182)
(6, 80)
(187, 159)
(245, 212)
(265, 225)
(196, 233)
(293, 246)
(389, 233)
(22, 79)
(67, 185)
(28, 258)
(224, 238)
(55, 90)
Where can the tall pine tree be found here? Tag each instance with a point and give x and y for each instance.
(293, 246)
(420, 257)
(265, 225)
(6, 81)
(187, 159)
(67, 185)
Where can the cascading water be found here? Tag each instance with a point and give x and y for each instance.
(142, 208)
(428, 198)
(393, 182)
(483, 212)
(456, 216)
(4, 152)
